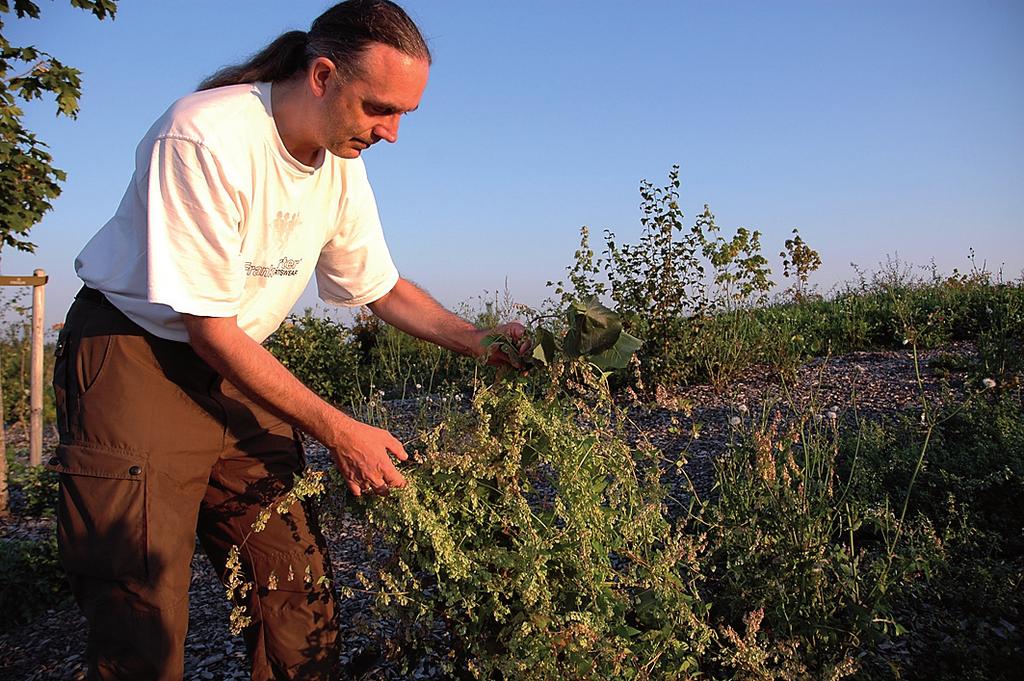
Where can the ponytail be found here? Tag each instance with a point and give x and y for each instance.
(280, 60)
(341, 34)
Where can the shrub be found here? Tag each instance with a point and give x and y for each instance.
(781, 557)
(33, 490)
(15, 360)
(537, 537)
(321, 354)
(963, 610)
(687, 291)
(535, 534)
(974, 475)
(697, 298)
(798, 261)
(31, 579)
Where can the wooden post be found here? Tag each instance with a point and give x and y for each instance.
(35, 452)
(37, 282)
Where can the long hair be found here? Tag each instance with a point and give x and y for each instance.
(341, 34)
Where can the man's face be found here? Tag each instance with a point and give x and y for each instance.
(367, 109)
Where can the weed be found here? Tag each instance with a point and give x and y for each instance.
(33, 490)
(31, 579)
(320, 352)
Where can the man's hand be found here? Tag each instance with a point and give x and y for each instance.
(511, 347)
(361, 453)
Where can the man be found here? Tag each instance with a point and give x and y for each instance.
(173, 418)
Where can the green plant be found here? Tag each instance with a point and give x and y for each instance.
(592, 332)
(741, 272)
(658, 282)
(402, 365)
(321, 354)
(798, 261)
(31, 579)
(723, 344)
(659, 286)
(536, 535)
(33, 490)
(782, 557)
(584, 274)
(541, 546)
(238, 584)
(653, 284)
(961, 596)
(1001, 334)
(15, 359)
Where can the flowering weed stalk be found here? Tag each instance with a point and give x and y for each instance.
(237, 585)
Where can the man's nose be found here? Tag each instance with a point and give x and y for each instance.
(388, 130)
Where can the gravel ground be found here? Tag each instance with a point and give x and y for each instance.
(878, 383)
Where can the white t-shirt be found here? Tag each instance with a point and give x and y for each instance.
(220, 220)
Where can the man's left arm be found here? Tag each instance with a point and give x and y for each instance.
(412, 310)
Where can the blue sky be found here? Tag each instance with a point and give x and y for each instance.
(874, 127)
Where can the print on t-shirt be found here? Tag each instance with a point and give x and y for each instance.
(280, 232)
(285, 267)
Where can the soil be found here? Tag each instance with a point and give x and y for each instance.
(52, 646)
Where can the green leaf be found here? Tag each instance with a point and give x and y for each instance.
(626, 631)
(545, 347)
(593, 328)
(617, 356)
(100, 8)
(23, 8)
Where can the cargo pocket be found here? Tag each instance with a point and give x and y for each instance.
(101, 516)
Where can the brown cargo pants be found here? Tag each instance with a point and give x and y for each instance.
(155, 447)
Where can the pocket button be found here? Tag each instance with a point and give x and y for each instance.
(135, 470)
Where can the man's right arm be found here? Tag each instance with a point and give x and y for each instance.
(360, 451)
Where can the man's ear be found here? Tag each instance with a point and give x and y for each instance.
(320, 72)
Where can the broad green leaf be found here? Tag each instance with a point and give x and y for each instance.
(617, 357)
(23, 8)
(101, 8)
(593, 328)
(626, 631)
(544, 350)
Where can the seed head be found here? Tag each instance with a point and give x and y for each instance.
(988, 383)
(734, 421)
